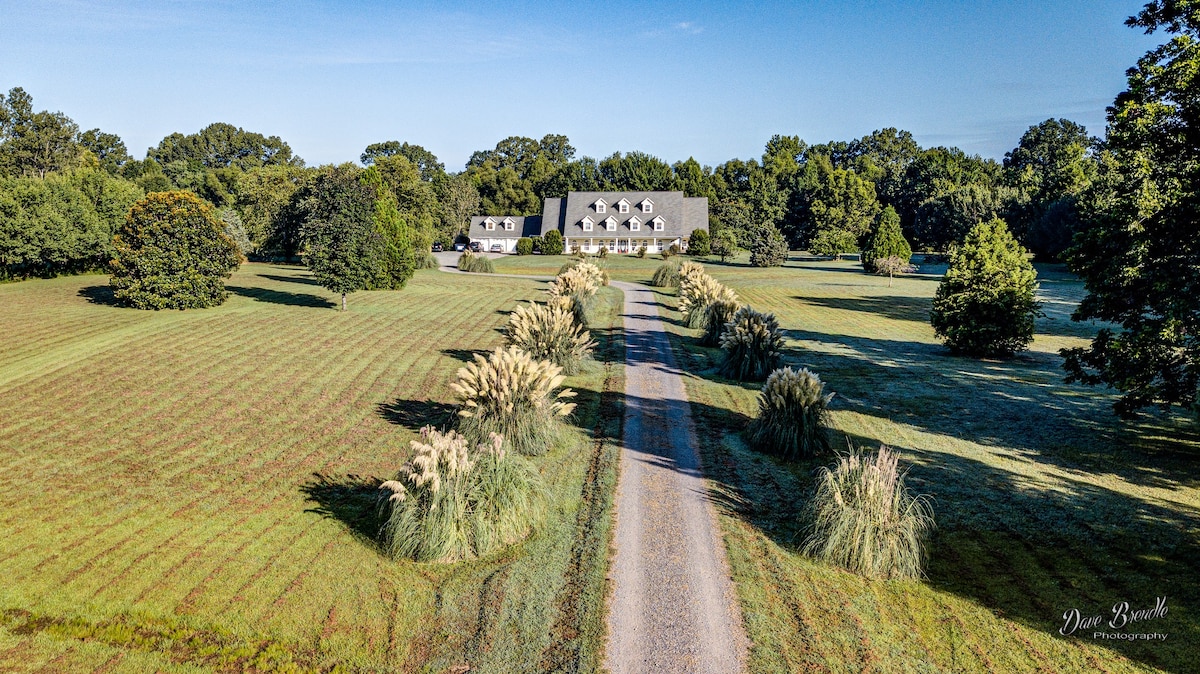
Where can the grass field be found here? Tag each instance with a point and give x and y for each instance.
(1044, 502)
(184, 491)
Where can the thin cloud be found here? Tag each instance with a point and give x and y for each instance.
(689, 27)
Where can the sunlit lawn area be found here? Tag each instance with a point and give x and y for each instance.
(183, 491)
(1044, 501)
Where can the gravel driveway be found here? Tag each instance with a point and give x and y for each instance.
(673, 607)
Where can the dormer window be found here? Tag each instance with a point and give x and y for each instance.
(623, 206)
(635, 225)
(489, 224)
(600, 206)
(508, 224)
(587, 224)
(610, 224)
(647, 206)
(659, 224)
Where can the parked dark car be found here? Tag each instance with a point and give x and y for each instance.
(476, 247)
(497, 248)
(437, 246)
(460, 247)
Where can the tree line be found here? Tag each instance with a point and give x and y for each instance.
(64, 192)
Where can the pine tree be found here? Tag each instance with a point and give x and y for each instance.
(985, 305)
(886, 241)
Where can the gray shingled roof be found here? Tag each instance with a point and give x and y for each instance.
(523, 225)
(678, 219)
(681, 216)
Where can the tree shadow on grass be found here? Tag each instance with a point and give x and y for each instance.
(416, 414)
(898, 307)
(100, 294)
(464, 355)
(349, 499)
(283, 297)
(305, 280)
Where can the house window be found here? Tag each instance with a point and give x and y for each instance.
(490, 225)
(508, 224)
(635, 225)
(610, 224)
(658, 224)
(647, 206)
(623, 206)
(587, 224)
(600, 206)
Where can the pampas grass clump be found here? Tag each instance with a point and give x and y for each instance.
(792, 415)
(449, 503)
(864, 520)
(716, 315)
(751, 342)
(666, 276)
(480, 264)
(550, 333)
(430, 261)
(575, 289)
(696, 292)
(512, 394)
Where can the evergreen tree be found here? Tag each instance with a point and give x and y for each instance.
(985, 305)
(172, 253)
(699, 243)
(552, 243)
(886, 241)
(1139, 255)
(770, 249)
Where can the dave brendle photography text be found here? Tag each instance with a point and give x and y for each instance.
(1123, 616)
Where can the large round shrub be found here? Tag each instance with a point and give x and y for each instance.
(792, 415)
(172, 253)
(985, 305)
(552, 243)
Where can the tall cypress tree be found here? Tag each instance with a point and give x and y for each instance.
(886, 241)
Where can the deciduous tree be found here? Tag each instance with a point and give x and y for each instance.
(1139, 255)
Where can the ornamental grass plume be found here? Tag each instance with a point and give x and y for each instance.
(690, 269)
(864, 520)
(666, 276)
(477, 264)
(751, 342)
(547, 332)
(512, 394)
(696, 292)
(596, 270)
(716, 315)
(792, 415)
(449, 503)
(575, 289)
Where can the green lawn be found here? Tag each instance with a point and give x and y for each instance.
(183, 491)
(619, 267)
(1044, 502)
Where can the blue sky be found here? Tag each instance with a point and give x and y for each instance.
(709, 80)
